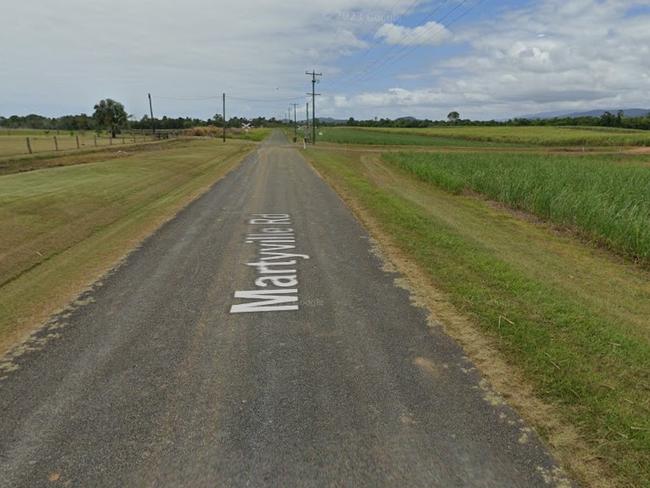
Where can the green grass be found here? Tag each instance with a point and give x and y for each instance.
(605, 200)
(542, 136)
(577, 326)
(62, 227)
(350, 135)
(30, 162)
(256, 134)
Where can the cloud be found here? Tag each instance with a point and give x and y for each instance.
(431, 33)
(543, 55)
(552, 55)
(63, 58)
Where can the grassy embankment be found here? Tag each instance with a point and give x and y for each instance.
(445, 136)
(571, 317)
(22, 163)
(62, 228)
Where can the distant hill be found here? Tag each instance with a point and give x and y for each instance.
(330, 120)
(629, 112)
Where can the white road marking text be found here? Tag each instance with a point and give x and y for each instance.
(275, 266)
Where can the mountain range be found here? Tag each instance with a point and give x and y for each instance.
(629, 112)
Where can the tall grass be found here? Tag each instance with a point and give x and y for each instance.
(606, 201)
(350, 135)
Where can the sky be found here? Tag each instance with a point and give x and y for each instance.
(379, 58)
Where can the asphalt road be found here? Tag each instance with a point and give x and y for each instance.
(151, 380)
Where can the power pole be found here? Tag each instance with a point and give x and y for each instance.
(295, 123)
(153, 124)
(313, 103)
(307, 120)
(224, 117)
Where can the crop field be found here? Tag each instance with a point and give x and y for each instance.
(560, 287)
(458, 136)
(61, 227)
(351, 135)
(606, 200)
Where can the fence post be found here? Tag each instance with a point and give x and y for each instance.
(95, 140)
(56, 144)
(123, 142)
(78, 141)
(29, 146)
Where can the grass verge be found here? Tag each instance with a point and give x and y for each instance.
(572, 319)
(62, 228)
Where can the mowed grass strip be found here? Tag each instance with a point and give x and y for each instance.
(60, 228)
(603, 199)
(576, 317)
(539, 136)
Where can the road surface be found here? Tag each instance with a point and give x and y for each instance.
(256, 341)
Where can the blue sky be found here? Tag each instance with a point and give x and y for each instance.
(484, 58)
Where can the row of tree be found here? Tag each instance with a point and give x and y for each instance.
(111, 115)
(607, 119)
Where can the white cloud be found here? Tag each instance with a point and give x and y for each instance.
(592, 54)
(431, 33)
(549, 55)
(61, 58)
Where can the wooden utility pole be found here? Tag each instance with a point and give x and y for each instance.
(313, 94)
(307, 120)
(295, 123)
(224, 117)
(153, 123)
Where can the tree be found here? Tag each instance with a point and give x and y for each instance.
(453, 116)
(608, 119)
(110, 115)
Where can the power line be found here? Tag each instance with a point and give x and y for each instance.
(371, 63)
(267, 100)
(405, 51)
(216, 97)
(390, 15)
(411, 42)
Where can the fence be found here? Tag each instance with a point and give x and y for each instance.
(33, 142)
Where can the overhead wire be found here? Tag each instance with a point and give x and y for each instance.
(407, 11)
(215, 97)
(369, 65)
(410, 49)
(410, 43)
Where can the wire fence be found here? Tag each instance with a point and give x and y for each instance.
(19, 143)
